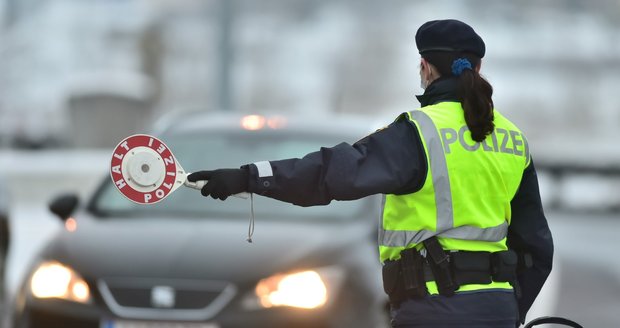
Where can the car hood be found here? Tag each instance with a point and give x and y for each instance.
(200, 248)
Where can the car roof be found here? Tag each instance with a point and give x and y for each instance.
(325, 123)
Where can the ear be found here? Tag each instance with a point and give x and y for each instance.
(477, 68)
(423, 64)
(426, 67)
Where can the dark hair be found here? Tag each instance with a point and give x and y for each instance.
(473, 91)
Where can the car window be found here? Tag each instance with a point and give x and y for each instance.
(197, 152)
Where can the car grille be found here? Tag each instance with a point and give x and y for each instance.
(165, 299)
(184, 299)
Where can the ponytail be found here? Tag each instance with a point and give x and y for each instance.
(473, 91)
(475, 95)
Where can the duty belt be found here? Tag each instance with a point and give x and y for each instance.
(406, 278)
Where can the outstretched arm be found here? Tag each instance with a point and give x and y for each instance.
(390, 160)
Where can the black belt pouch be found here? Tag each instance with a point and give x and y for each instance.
(471, 268)
(504, 265)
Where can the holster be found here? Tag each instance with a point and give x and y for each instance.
(412, 268)
(404, 278)
(439, 262)
(392, 282)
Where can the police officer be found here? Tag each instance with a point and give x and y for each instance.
(464, 240)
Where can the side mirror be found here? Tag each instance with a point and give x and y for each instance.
(64, 205)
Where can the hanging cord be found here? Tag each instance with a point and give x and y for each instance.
(251, 227)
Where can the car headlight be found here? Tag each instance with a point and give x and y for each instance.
(55, 280)
(310, 289)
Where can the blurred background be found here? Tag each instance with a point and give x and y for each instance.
(77, 76)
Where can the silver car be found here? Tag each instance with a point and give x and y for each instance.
(185, 262)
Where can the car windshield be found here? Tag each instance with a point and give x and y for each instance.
(230, 150)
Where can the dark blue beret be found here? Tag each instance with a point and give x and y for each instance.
(449, 35)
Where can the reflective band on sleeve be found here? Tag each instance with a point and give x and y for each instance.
(264, 169)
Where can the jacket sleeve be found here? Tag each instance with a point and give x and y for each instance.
(387, 161)
(529, 232)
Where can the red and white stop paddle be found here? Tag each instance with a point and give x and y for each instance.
(145, 171)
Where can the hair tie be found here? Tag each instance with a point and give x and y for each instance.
(459, 65)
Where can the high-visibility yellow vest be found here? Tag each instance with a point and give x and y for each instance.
(465, 198)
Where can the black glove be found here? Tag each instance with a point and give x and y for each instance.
(221, 183)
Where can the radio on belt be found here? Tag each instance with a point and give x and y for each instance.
(145, 171)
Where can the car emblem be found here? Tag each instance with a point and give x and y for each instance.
(162, 297)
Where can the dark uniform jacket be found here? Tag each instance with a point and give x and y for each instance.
(392, 161)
